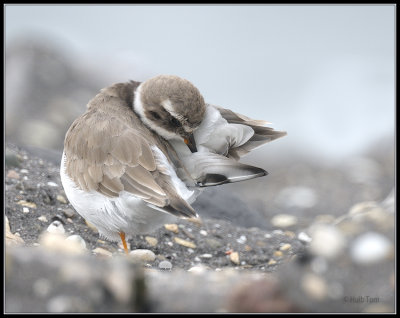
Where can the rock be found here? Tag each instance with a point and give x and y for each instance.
(43, 218)
(62, 199)
(12, 174)
(25, 210)
(199, 269)
(27, 204)
(242, 239)
(52, 184)
(78, 240)
(314, 286)
(142, 255)
(203, 232)
(185, 243)
(327, 240)
(98, 251)
(283, 220)
(206, 255)
(165, 265)
(172, 227)
(285, 247)
(302, 236)
(56, 227)
(234, 257)
(370, 247)
(69, 213)
(151, 240)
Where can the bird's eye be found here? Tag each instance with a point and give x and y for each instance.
(155, 115)
(174, 122)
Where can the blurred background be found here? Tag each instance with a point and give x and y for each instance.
(323, 73)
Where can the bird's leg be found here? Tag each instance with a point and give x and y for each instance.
(122, 236)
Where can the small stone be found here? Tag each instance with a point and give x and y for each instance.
(242, 239)
(61, 199)
(267, 235)
(370, 248)
(234, 257)
(27, 204)
(12, 174)
(69, 213)
(24, 171)
(91, 226)
(327, 241)
(272, 262)
(78, 240)
(290, 234)
(199, 269)
(278, 254)
(172, 227)
(314, 286)
(52, 184)
(285, 247)
(98, 251)
(184, 242)
(247, 248)
(203, 232)
(283, 220)
(302, 236)
(165, 265)
(151, 240)
(206, 255)
(56, 227)
(142, 255)
(42, 218)
(25, 210)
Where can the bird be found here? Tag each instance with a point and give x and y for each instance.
(142, 152)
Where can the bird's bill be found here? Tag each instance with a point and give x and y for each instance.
(190, 142)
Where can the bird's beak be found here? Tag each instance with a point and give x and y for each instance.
(190, 142)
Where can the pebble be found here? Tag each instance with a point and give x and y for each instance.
(52, 184)
(242, 239)
(24, 171)
(278, 253)
(69, 213)
(12, 174)
(27, 204)
(370, 247)
(314, 286)
(213, 243)
(203, 232)
(142, 255)
(198, 269)
(267, 235)
(98, 251)
(185, 243)
(285, 247)
(43, 218)
(283, 220)
(78, 239)
(272, 262)
(165, 265)
(206, 255)
(25, 210)
(61, 199)
(151, 240)
(56, 227)
(172, 227)
(303, 236)
(327, 241)
(234, 257)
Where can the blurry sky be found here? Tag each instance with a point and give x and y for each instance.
(325, 74)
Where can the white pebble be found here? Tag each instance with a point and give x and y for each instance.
(25, 210)
(42, 218)
(242, 239)
(142, 255)
(206, 256)
(283, 220)
(267, 235)
(78, 239)
(52, 184)
(303, 236)
(369, 248)
(199, 269)
(202, 232)
(327, 240)
(56, 227)
(165, 265)
(24, 171)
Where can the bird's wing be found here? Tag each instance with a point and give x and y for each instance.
(262, 134)
(107, 155)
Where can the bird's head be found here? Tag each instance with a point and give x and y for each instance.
(171, 106)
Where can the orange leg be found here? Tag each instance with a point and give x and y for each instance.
(122, 236)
